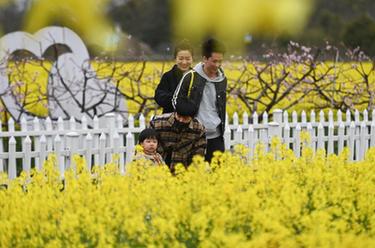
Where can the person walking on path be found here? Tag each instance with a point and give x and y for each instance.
(206, 86)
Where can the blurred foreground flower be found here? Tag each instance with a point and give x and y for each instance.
(85, 17)
(3, 2)
(232, 21)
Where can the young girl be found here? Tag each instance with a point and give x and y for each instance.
(148, 140)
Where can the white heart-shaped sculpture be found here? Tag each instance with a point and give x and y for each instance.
(70, 92)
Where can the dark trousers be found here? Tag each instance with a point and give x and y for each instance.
(216, 144)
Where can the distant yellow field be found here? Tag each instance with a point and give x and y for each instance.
(138, 81)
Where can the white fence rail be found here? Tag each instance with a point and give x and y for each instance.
(29, 146)
(331, 134)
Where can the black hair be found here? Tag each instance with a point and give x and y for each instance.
(212, 45)
(182, 46)
(148, 133)
(186, 107)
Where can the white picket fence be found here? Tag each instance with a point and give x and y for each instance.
(326, 133)
(30, 145)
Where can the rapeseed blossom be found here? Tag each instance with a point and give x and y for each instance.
(269, 201)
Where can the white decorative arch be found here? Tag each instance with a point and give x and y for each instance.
(70, 67)
(60, 35)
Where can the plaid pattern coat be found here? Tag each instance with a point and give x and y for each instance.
(179, 143)
(156, 158)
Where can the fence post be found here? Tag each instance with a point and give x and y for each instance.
(339, 116)
(341, 135)
(36, 125)
(102, 141)
(357, 132)
(330, 136)
(111, 122)
(142, 122)
(285, 117)
(303, 119)
(314, 129)
(251, 141)
(245, 119)
(120, 121)
(42, 151)
(49, 137)
(330, 116)
(60, 128)
(287, 135)
(11, 127)
(274, 132)
(263, 138)
(294, 117)
(131, 121)
(255, 118)
(295, 122)
(72, 123)
(27, 155)
(365, 115)
(12, 158)
(245, 127)
(367, 133)
(364, 134)
(84, 122)
(320, 136)
(60, 124)
(84, 128)
(235, 121)
(60, 160)
(71, 147)
(129, 147)
(297, 141)
(23, 128)
(116, 148)
(352, 141)
(277, 116)
(121, 143)
(227, 137)
(310, 131)
(88, 147)
(321, 117)
(265, 118)
(312, 117)
(348, 117)
(238, 135)
(362, 140)
(372, 135)
(96, 139)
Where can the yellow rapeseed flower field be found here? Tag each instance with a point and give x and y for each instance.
(138, 81)
(312, 201)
